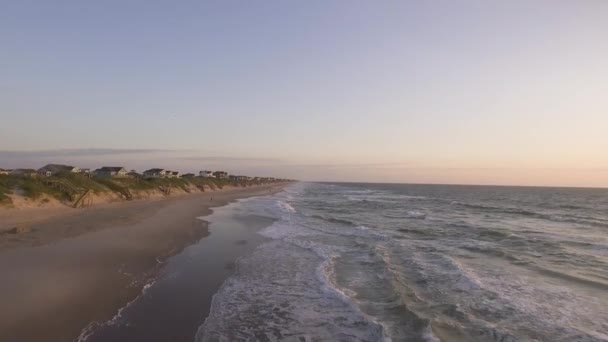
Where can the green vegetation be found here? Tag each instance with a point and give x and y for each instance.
(142, 184)
(5, 190)
(67, 187)
(30, 187)
(83, 181)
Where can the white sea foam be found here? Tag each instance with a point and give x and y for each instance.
(285, 207)
(279, 291)
(289, 282)
(416, 214)
(282, 230)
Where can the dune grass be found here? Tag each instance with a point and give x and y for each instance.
(5, 190)
(63, 186)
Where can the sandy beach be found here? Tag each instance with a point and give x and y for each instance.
(74, 267)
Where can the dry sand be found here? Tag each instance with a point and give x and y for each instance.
(79, 266)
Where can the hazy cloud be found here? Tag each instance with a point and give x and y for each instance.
(78, 152)
(232, 159)
(354, 165)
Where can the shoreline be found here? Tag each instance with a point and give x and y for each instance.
(84, 267)
(174, 306)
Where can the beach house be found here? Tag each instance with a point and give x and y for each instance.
(206, 173)
(220, 174)
(172, 174)
(111, 171)
(53, 169)
(155, 173)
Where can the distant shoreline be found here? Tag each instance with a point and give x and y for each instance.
(73, 269)
(470, 185)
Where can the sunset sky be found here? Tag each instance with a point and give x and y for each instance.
(475, 92)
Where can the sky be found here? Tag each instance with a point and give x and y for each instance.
(465, 92)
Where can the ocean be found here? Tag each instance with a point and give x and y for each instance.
(391, 262)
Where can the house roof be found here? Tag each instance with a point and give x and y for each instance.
(110, 168)
(154, 171)
(56, 168)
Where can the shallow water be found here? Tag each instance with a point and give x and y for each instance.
(363, 262)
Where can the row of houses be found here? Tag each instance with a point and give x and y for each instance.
(121, 172)
(112, 171)
(21, 172)
(213, 174)
(47, 170)
(55, 169)
(164, 173)
(160, 173)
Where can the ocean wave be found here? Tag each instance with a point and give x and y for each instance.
(410, 214)
(494, 251)
(282, 230)
(334, 220)
(506, 210)
(569, 218)
(392, 300)
(585, 220)
(335, 226)
(571, 206)
(403, 323)
(414, 197)
(281, 292)
(325, 271)
(286, 207)
(413, 233)
(577, 278)
(363, 191)
(386, 198)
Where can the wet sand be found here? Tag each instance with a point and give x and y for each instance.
(177, 303)
(88, 264)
